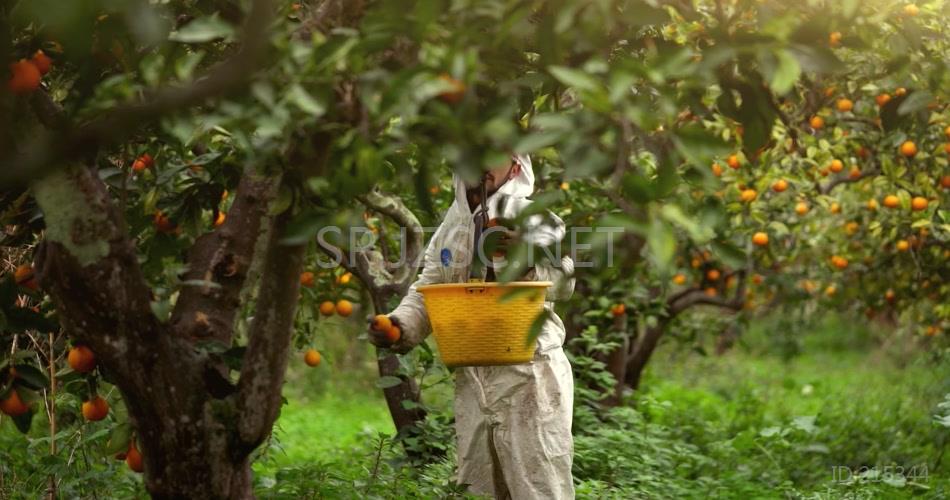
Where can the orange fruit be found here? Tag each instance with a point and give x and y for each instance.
(733, 162)
(908, 149)
(918, 203)
(854, 173)
(163, 224)
(911, 10)
(393, 334)
(679, 279)
(891, 201)
(138, 165)
(851, 228)
(946, 131)
(344, 307)
(899, 91)
(42, 62)
(311, 357)
(761, 239)
(835, 208)
(25, 277)
(889, 295)
(24, 77)
(133, 458)
(618, 309)
(830, 91)
(862, 152)
(713, 275)
(882, 99)
(844, 105)
(931, 331)
(81, 359)
(306, 279)
(757, 279)
(817, 122)
(945, 182)
(381, 323)
(711, 291)
(95, 409)
(801, 208)
(825, 172)
(12, 405)
(747, 195)
(836, 166)
(902, 245)
(219, 220)
(716, 169)
(327, 308)
(695, 263)
(872, 204)
(834, 38)
(344, 278)
(779, 185)
(830, 290)
(946, 148)
(456, 91)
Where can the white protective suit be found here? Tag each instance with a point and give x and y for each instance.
(513, 423)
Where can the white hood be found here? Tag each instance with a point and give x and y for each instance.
(521, 186)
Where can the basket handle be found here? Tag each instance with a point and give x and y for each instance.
(474, 289)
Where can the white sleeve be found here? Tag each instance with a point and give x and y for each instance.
(411, 313)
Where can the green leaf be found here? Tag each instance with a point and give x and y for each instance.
(729, 253)
(575, 78)
(23, 422)
(306, 102)
(535, 331)
(914, 102)
(662, 245)
(119, 439)
(388, 381)
(203, 29)
(31, 377)
(698, 145)
(785, 73)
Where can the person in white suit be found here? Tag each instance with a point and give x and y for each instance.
(513, 423)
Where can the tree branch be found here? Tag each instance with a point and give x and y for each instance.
(49, 147)
(269, 336)
(221, 260)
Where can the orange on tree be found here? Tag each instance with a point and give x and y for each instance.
(344, 307)
(817, 122)
(81, 359)
(133, 458)
(695, 262)
(839, 262)
(899, 91)
(24, 77)
(872, 204)
(344, 278)
(42, 62)
(618, 309)
(456, 89)
(713, 275)
(911, 10)
(757, 279)
(891, 201)
(163, 224)
(747, 195)
(882, 99)
(854, 173)
(835, 208)
(717, 169)
(851, 228)
(889, 295)
(679, 279)
(945, 182)
(830, 290)
(327, 308)
(311, 357)
(836, 166)
(95, 409)
(780, 185)
(219, 220)
(844, 105)
(801, 208)
(902, 245)
(25, 277)
(711, 291)
(12, 405)
(834, 39)
(760, 239)
(918, 203)
(733, 162)
(306, 279)
(908, 149)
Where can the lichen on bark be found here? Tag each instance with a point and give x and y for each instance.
(74, 214)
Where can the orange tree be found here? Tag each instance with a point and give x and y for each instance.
(167, 169)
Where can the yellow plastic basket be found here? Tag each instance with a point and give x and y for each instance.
(474, 325)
